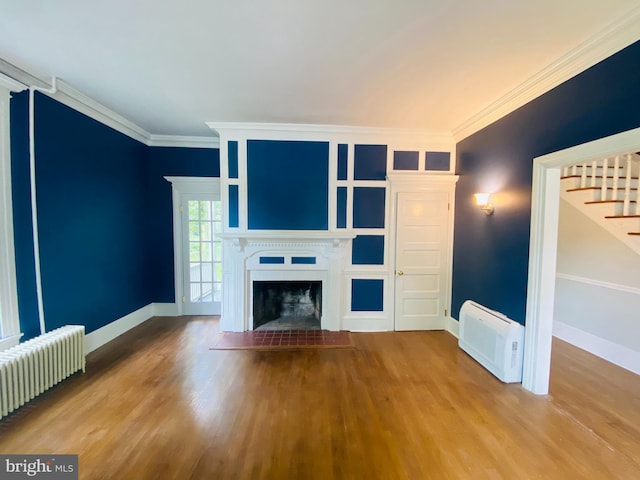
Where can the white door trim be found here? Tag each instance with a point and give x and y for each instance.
(545, 198)
(181, 186)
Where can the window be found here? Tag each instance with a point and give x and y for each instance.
(205, 251)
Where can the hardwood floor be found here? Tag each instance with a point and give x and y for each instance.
(158, 404)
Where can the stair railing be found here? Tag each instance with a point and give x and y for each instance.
(619, 191)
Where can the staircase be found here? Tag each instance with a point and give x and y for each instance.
(606, 190)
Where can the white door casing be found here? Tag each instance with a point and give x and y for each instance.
(184, 188)
(422, 213)
(545, 198)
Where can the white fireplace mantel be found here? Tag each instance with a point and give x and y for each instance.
(243, 253)
(288, 236)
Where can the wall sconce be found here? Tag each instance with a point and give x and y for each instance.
(482, 200)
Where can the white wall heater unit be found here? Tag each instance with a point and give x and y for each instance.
(493, 339)
(30, 368)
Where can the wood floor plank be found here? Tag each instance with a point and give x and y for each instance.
(157, 403)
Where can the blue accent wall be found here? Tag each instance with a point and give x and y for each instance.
(341, 206)
(490, 254)
(161, 162)
(439, 161)
(234, 208)
(233, 159)
(91, 200)
(368, 207)
(403, 160)
(104, 214)
(288, 185)
(22, 232)
(274, 260)
(303, 260)
(367, 295)
(370, 162)
(368, 250)
(342, 161)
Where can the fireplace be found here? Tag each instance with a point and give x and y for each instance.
(312, 262)
(287, 305)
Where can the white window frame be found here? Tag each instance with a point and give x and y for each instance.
(181, 187)
(9, 318)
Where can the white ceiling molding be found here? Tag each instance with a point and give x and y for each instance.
(311, 132)
(183, 141)
(605, 43)
(84, 104)
(16, 79)
(10, 84)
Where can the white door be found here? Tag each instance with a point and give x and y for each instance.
(421, 258)
(202, 255)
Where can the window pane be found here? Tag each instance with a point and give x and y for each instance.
(217, 268)
(195, 292)
(192, 206)
(207, 290)
(217, 292)
(194, 230)
(205, 230)
(194, 272)
(217, 251)
(217, 210)
(205, 210)
(207, 272)
(194, 251)
(205, 249)
(217, 227)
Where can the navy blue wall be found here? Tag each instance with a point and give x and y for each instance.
(164, 161)
(90, 215)
(287, 184)
(490, 255)
(104, 213)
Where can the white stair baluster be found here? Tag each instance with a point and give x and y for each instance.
(583, 177)
(565, 172)
(627, 187)
(574, 169)
(594, 171)
(616, 177)
(605, 170)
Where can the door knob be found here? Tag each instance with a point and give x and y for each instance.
(400, 273)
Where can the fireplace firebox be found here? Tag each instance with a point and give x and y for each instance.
(287, 305)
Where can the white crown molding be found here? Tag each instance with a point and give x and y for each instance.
(291, 131)
(84, 104)
(17, 79)
(183, 141)
(615, 37)
(10, 84)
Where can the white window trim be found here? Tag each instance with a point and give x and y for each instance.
(181, 186)
(9, 318)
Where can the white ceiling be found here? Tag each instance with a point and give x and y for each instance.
(169, 66)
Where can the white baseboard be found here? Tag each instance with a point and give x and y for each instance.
(453, 327)
(165, 310)
(612, 352)
(98, 338)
